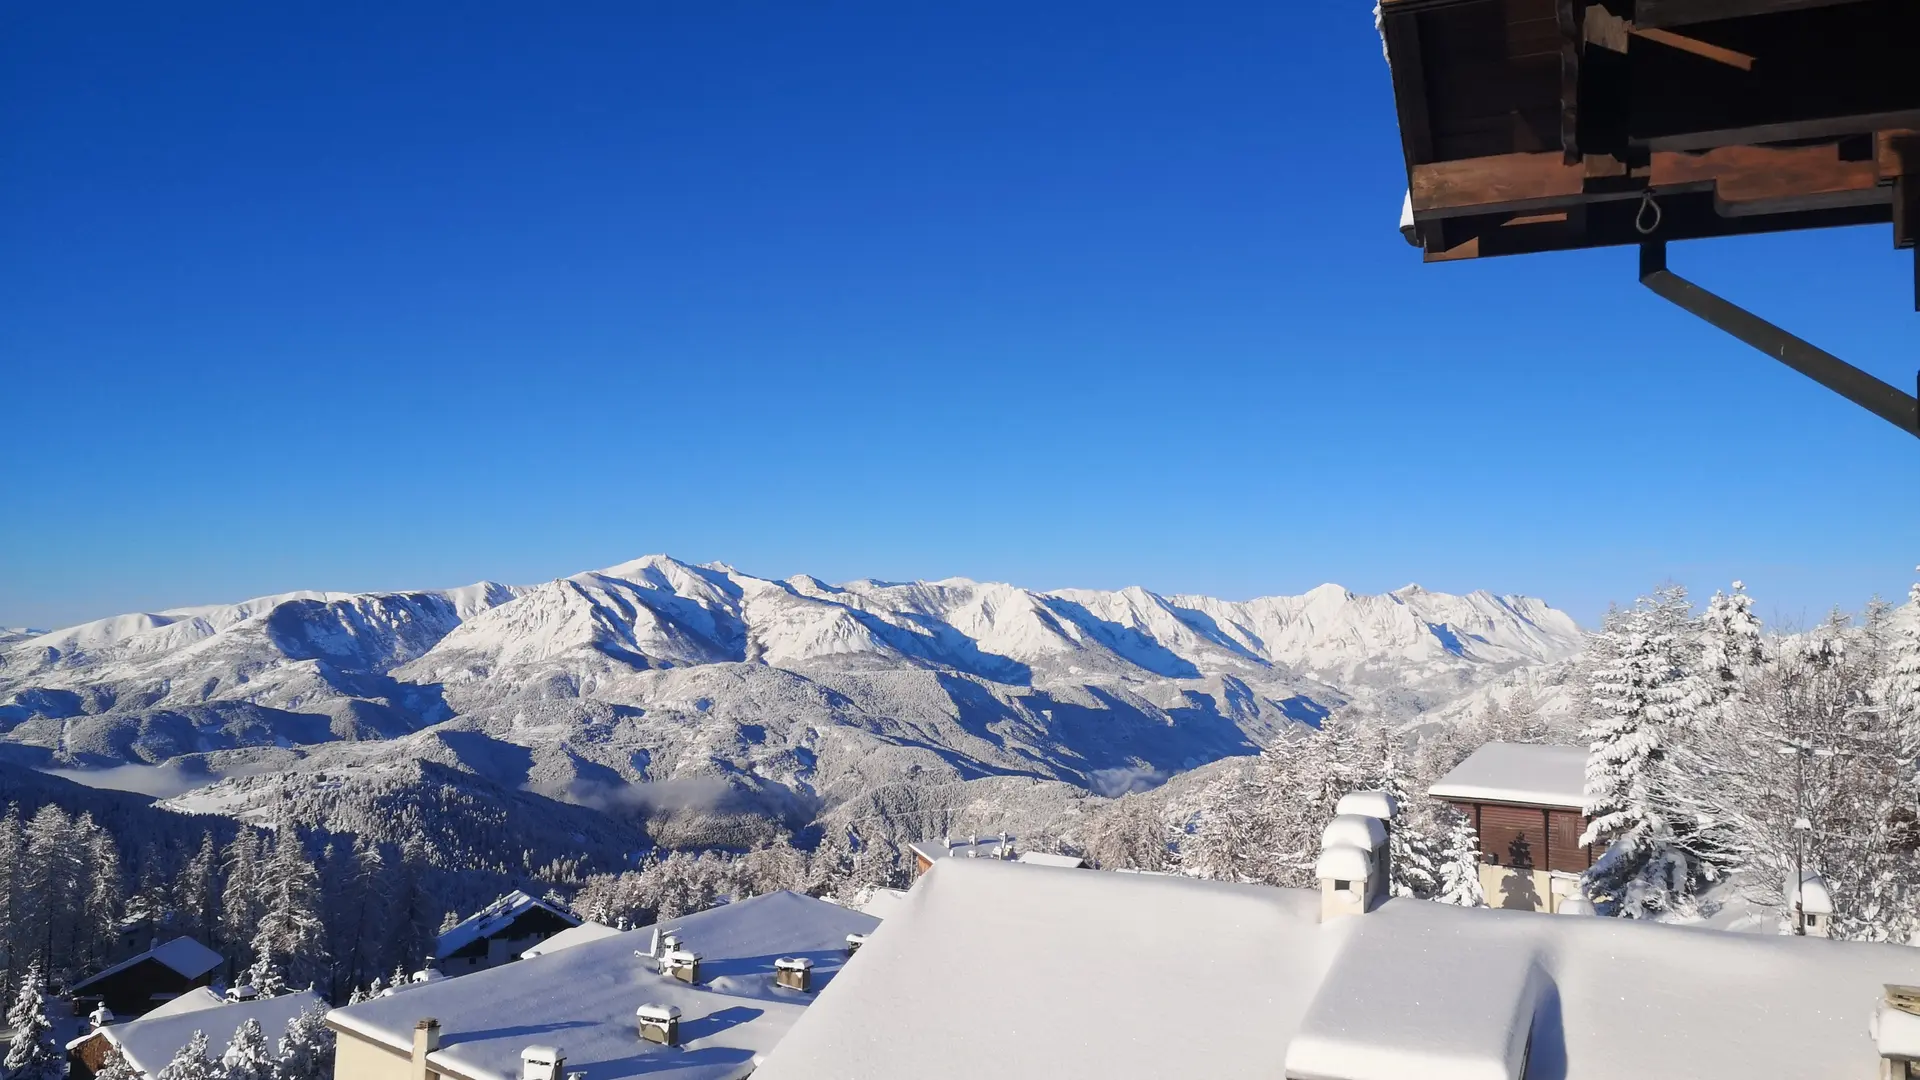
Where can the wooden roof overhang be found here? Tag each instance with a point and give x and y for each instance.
(1536, 125)
(1543, 125)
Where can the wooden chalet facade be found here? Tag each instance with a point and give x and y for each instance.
(500, 933)
(1525, 804)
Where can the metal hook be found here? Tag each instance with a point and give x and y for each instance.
(1640, 222)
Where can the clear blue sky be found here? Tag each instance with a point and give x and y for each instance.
(356, 296)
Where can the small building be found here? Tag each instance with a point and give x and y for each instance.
(1048, 858)
(151, 1041)
(500, 933)
(928, 852)
(606, 1008)
(567, 939)
(135, 985)
(1527, 804)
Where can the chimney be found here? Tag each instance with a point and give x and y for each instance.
(1351, 867)
(1381, 807)
(1810, 907)
(681, 964)
(101, 1016)
(854, 941)
(1896, 1032)
(1005, 852)
(659, 1024)
(794, 973)
(242, 992)
(542, 1063)
(429, 971)
(426, 1039)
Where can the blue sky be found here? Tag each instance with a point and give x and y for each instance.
(338, 296)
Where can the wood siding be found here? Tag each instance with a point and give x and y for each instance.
(1536, 837)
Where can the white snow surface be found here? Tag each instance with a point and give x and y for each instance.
(149, 1042)
(1526, 773)
(1090, 974)
(583, 999)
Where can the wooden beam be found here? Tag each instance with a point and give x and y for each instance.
(1567, 21)
(1505, 182)
(1658, 13)
(1697, 47)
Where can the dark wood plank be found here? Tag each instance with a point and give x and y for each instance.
(1658, 13)
(1507, 182)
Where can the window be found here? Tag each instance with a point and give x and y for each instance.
(1341, 883)
(1813, 920)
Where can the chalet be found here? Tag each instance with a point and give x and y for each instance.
(928, 852)
(135, 985)
(1136, 976)
(150, 1042)
(499, 933)
(704, 997)
(1526, 803)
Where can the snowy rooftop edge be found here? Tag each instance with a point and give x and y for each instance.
(1527, 773)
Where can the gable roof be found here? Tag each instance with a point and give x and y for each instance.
(1527, 774)
(494, 918)
(183, 955)
(582, 999)
(150, 1042)
(1127, 975)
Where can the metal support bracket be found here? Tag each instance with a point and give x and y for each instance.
(1891, 405)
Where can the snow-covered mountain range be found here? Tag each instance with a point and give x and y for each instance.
(657, 685)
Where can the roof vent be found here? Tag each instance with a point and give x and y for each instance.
(542, 1063)
(854, 941)
(429, 971)
(1896, 1032)
(101, 1016)
(681, 964)
(794, 973)
(243, 992)
(659, 1024)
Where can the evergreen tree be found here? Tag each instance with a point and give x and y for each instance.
(1640, 697)
(290, 939)
(191, 1062)
(105, 898)
(1730, 647)
(197, 893)
(1410, 853)
(247, 1056)
(1899, 687)
(1460, 865)
(306, 1050)
(31, 1054)
(114, 1066)
(14, 949)
(240, 898)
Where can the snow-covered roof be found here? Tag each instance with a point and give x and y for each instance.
(1525, 773)
(584, 998)
(183, 954)
(1068, 970)
(494, 918)
(883, 902)
(1896, 1032)
(1815, 899)
(1048, 858)
(568, 938)
(976, 847)
(151, 1041)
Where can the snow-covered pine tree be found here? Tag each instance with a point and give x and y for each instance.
(13, 849)
(1730, 646)
(104, 901)
(240, 898)
(191, 1062)
(196, 892)
(1899, 688)
(290, 939)
(247, 1056)
(114, 1066)
(305, 1052)
(1641, 697)
(1460, 864)
(1410, 852)
(30, 1053)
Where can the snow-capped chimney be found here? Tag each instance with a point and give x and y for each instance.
(1895, 1028)
(242, 992)
(794, 973)
(100, 1017)
(1352, 864)
(659, 1024)
(1381, 807)
(1004, 851)
(426, 1039)
(854, 941)
(681, 964)
(542, 1063)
